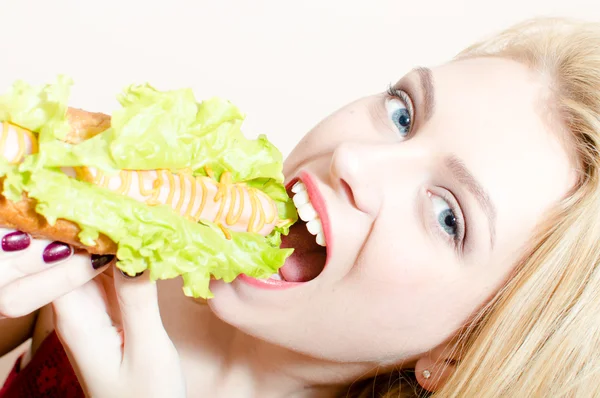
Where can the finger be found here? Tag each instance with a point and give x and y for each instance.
(147, 347)
(140, 314)
(138, 302)
(22, 255)
(84, 325)
(38, 257)
(105, 361)
(29, 292)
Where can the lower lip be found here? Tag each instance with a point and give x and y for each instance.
(267, 284)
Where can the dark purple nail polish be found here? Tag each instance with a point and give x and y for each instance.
(126, 275)
(56, 251)
(99, 260)
(15, 241)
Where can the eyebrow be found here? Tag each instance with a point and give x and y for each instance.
(462, 174)
(427, 89)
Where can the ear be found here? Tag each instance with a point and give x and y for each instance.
(432, 373)
(435, 367)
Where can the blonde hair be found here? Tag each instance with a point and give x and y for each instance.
(540, 335)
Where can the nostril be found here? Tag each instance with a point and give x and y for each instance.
(348, 192)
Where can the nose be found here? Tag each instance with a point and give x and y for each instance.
(363, 173)
(356, 175)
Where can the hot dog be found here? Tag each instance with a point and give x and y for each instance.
(200, 218)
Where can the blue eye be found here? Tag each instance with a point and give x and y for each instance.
(445, 216)
(399, 115)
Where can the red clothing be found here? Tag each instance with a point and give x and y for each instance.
(49, 375)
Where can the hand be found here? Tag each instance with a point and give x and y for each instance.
(34, 272)
(113, 334)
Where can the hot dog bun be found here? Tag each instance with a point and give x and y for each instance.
(23, 217)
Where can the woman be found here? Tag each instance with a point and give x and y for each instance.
(460, 212)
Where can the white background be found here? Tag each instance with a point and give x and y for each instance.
(286, 64)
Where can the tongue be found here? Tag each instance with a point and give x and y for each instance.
(308, 259)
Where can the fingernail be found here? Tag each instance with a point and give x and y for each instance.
(56, 251)
(100, 260)
(15, 241)
(126, 275)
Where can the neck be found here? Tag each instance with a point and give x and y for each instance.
(252, 367)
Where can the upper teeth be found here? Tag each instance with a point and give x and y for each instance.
(307, 212)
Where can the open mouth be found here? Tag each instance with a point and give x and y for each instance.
(307, 237)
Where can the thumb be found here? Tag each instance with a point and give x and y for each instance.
(147, 349)
(140, 315)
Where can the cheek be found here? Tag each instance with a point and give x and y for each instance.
(404, 274)
(412, 286)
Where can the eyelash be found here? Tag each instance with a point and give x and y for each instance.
(396, 93)
(457, 240)
(403, 96)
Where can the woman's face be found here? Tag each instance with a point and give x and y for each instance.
(426, 197)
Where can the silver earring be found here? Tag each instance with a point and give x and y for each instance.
(426, 374)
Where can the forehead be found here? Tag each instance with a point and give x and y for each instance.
(494, 114)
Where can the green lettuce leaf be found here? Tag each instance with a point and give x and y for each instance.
(38, 108)
(11, 187)
(170, 130)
